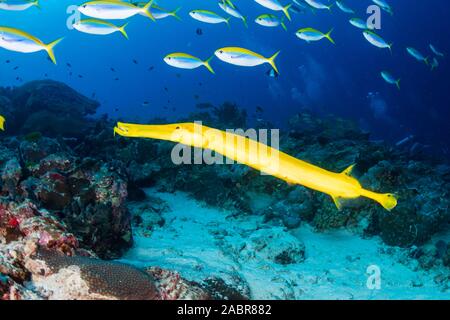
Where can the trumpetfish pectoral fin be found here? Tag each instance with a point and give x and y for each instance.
(338, 202)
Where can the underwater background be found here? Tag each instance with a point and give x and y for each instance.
(72, 194)
(320, 77)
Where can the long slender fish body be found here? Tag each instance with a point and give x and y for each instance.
(19, 41)
(339, 186)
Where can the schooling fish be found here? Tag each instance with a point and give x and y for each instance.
(417, 55)
(244, 57)
(359, 23)
(99, 27)
(114, 9)
(17, 5)
(384, 5)
(232, 10)
(208, 17)
(344, 8)
(186, 61)
(310, 34)
(2, 123)
(270, 20)
(434, 63)
(159, 13)
(17, 40)
(376, 40)
(275, 5)
(316, 4)
(340, 186)
(436, 51)
(390, 79)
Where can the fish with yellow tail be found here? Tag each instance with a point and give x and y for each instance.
(17, 40)
(244, 57)
(340, 186)
(114, 9)
(18, 5)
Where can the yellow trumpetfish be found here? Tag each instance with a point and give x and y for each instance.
(259, 156)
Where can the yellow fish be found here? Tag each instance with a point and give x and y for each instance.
(339, 186)
(17, 40)
(2, 123)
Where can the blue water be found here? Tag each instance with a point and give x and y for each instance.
(320, 77)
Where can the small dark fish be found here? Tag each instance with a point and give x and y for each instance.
(116, 109)
(112, 69)
(178, 75)
(7, 61)
(196, 96)
(80, 76)
(166, 90)
(200, 84)
(135, 61)
(116, 79)
(46, 75)
(68, 65)
(168, 101)
(145, 103)
(93, 95)
(259, 109)
(151, 68)
(16, 67)
(199, 31)
(70, 73)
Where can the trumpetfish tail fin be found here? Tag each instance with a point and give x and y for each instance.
(387, 200)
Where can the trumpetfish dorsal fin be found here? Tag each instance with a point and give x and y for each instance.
(349, 170)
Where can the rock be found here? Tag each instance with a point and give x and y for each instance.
(49, 107)
(59, 277)
(273, 245)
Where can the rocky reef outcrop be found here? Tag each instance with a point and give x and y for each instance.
(48, 107)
